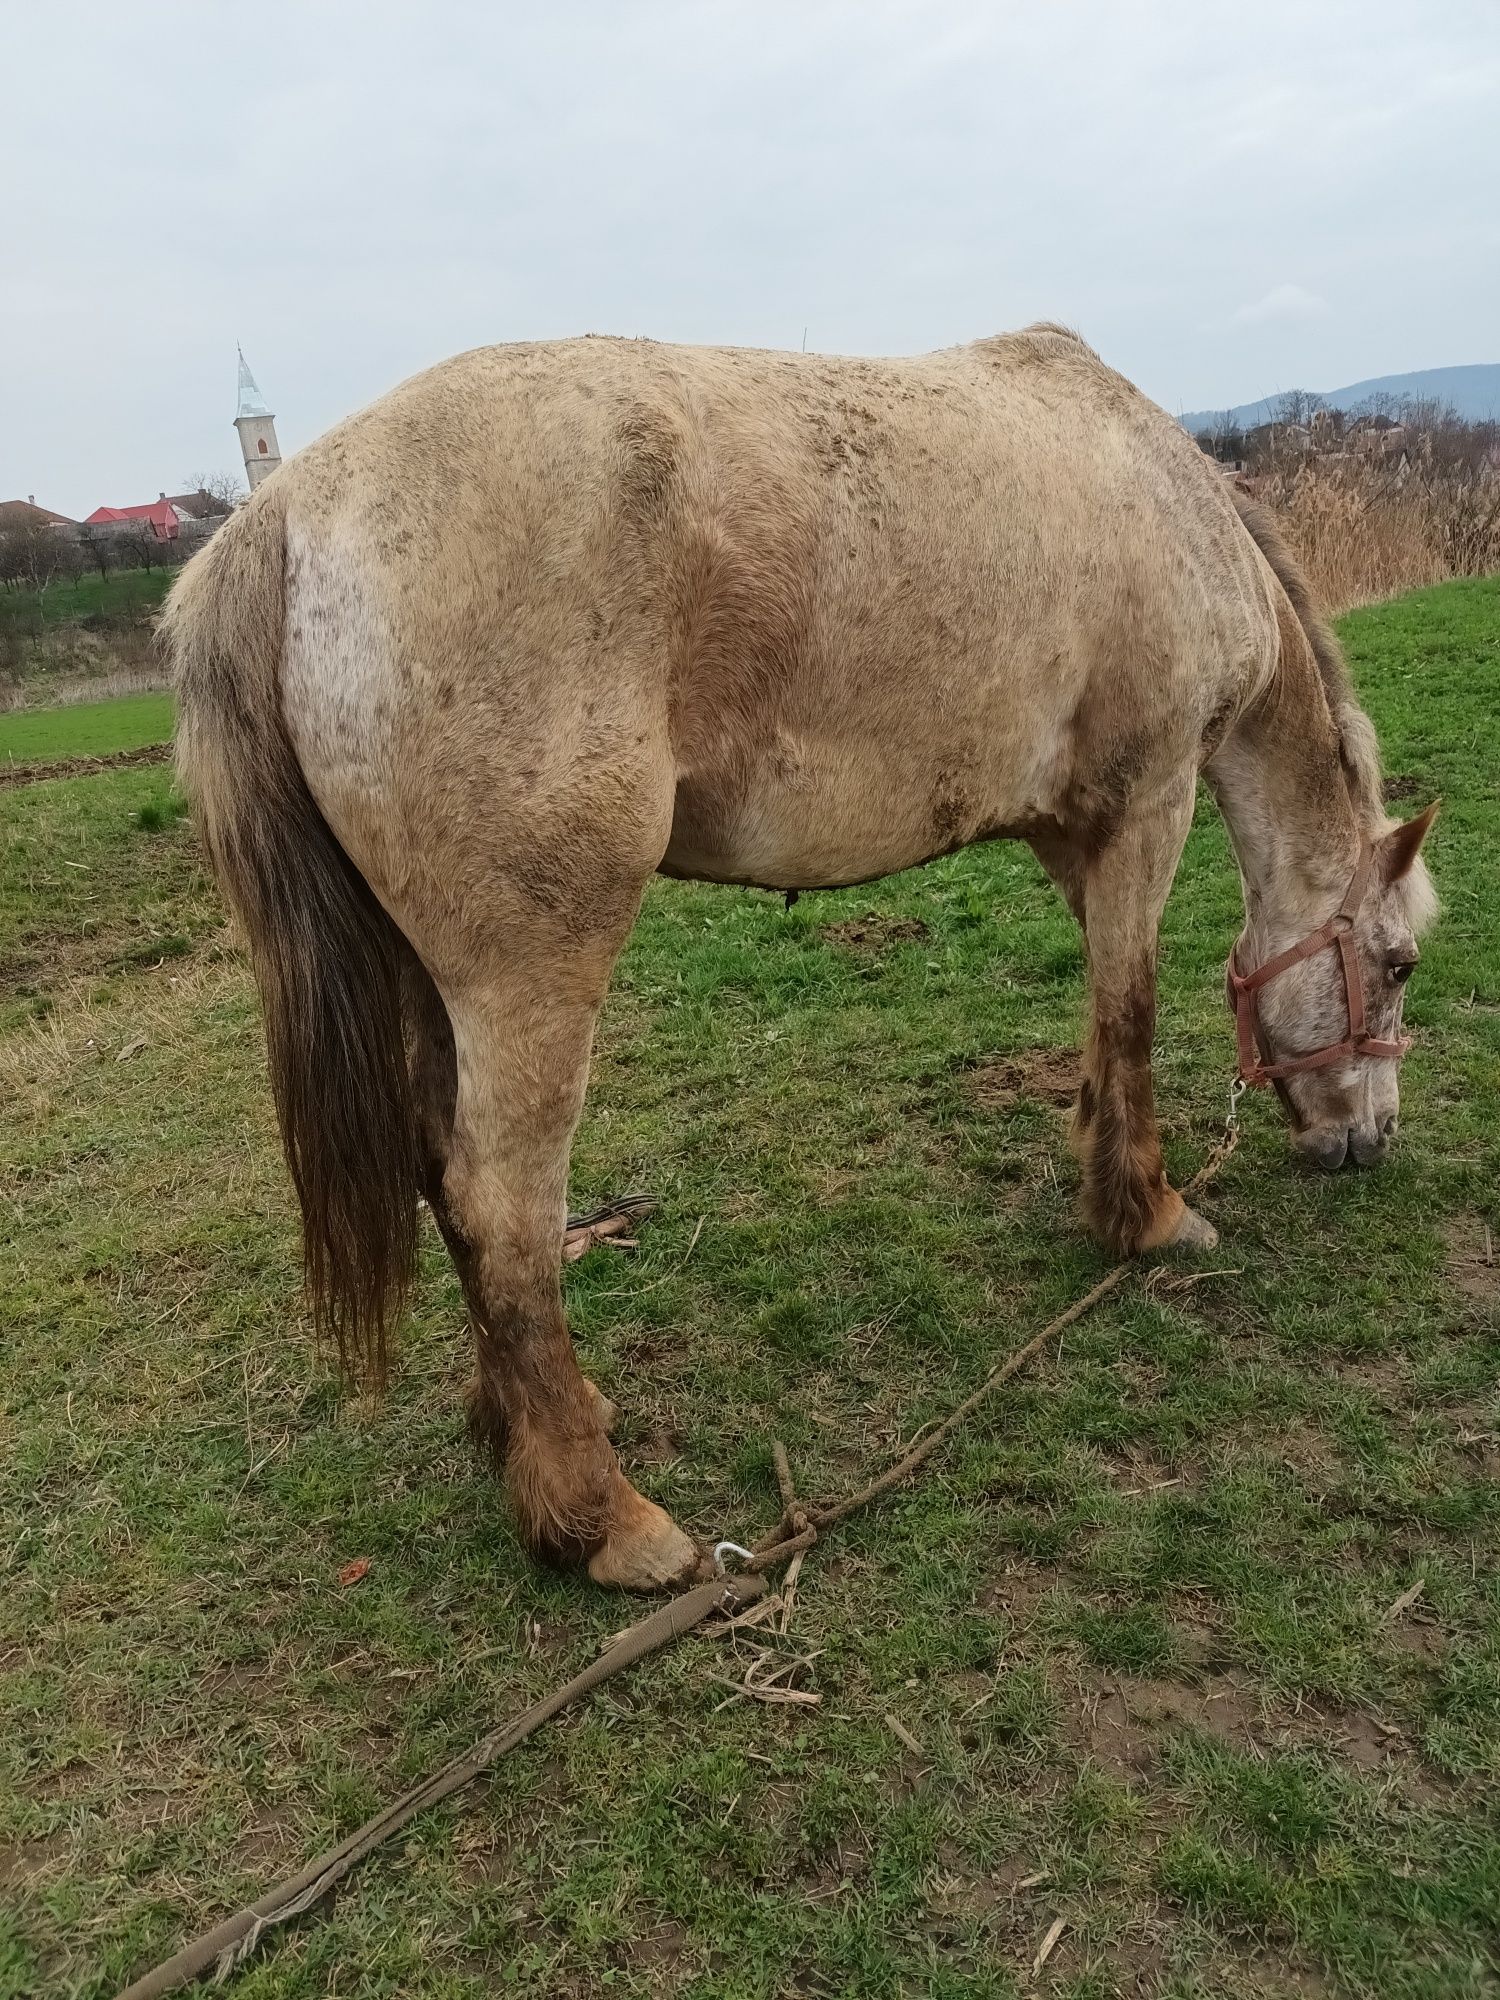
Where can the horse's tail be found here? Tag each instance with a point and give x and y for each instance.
(327, 958)
(1358, 744)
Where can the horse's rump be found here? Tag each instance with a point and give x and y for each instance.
(327, 959)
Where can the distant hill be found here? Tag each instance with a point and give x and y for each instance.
(1474, 392)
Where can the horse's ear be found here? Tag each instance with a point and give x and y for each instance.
(1403, 843)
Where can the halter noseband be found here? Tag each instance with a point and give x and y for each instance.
(1256, 1065)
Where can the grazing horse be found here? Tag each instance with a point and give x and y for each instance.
(549, 619)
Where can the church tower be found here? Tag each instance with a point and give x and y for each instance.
(257, 429)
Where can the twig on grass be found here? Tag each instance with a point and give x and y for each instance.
(788, 1597)
(765, 1680)
(902, 1734)
(1163, 1280)
(1405, 1601)
(1048, 1944)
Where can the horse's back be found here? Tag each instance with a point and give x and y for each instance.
(847, 612)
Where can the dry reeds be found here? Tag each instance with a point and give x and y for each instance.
(1364, 532)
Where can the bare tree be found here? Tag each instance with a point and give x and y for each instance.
(100, 549)
(35, 555)
(1222, 438)
(1380, 403)
(220, 492)
(1295, 407)
(138, 541)
(1229, 437)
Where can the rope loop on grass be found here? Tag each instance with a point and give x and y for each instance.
(229, 1944)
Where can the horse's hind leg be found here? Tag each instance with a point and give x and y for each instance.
(1126, 1193)
(432, 1064)
(522, 1033)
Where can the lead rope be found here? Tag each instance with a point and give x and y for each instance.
(229, 1944)
(799, 1527)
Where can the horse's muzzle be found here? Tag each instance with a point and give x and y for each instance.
(1330, 1148)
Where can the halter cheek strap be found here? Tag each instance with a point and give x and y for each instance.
(1256, 1063)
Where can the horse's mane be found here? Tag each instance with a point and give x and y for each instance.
(1044, 340)
(1057, 330)
(1359, 748)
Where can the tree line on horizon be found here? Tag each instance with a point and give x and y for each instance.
(1382, 427)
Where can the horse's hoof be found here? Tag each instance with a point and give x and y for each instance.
(607, 1412)
(1192, 1234)
(644, 1549)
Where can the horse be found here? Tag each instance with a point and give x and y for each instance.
(552, 618)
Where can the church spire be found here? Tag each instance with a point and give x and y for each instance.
(257, 428)
(252, 403)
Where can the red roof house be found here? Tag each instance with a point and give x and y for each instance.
(160, 513)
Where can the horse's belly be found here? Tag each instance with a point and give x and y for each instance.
(798, 821)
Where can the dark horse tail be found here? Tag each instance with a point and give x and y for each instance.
(327, 959)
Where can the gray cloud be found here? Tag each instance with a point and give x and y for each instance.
(355, 191)
(1281, 302)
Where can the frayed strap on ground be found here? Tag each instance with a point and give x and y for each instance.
(230, 1943)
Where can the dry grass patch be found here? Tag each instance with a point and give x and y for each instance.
(1365, 532)
(1041, 1076)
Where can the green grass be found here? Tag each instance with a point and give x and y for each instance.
(125, 593)
(1135, 1618)
(85, 728)
(99, 877)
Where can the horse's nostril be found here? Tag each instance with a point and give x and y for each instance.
(1326, 1149)
(1388, 1129)
(1369, 1146)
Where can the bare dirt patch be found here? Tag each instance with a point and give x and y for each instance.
(874, 933)
(1477, 1435)
(1368, 1742)
(1472, 1262)
(23, 1862)
(1120, 1720)
(1017, 1593)
(1044, 1076)
(82, 767)
(1138, 1473)
(1420, 1640)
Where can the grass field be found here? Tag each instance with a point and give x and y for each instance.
(1137, 1623)
(125, 593)
(81, 639)
(86, 729)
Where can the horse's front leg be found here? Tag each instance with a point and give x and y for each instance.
(1127, 1197)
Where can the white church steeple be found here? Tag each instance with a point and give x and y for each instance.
(257, 428)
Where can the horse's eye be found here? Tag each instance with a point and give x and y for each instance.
(1403, 971)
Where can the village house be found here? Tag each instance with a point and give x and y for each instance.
(168, 516)
(26, 513)
(159, 515)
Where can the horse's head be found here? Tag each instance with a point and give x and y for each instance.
(1320, 1017)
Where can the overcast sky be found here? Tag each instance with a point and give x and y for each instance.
(1226, 200)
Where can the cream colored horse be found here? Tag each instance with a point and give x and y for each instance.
(462, 675)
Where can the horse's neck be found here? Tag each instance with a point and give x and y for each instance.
(1285, 797)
